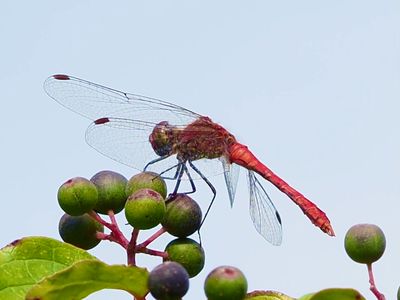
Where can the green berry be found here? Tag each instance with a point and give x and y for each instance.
(145, 209)
(168, 281)
(149, 180)
(80, 231)
(225, 283)
(365, 243)
(77, 196)
(183, 216)
(111, 188)
(188, 253)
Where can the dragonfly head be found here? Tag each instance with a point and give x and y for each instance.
(163, 138)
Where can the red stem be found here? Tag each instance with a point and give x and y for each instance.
(131, 246)
(105, 237)
(131, 249)
(151, 239)
(153, 252)
(373, 287)
(95, 216)
(111, 215)
(116, 235)
(116, 232)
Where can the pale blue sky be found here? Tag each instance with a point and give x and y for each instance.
(312, 87)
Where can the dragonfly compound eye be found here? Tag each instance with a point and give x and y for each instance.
(162, 138)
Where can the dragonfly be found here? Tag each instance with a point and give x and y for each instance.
(143, 132)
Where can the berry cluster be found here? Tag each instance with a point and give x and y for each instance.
(144, 201)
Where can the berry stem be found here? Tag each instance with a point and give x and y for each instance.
(131, 248)
(162, 254)
(116, 234)
(95, 216)
(151, 239)
(373, 287)
(111, 215)
(105, 237)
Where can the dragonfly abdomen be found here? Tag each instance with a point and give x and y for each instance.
(242, 156)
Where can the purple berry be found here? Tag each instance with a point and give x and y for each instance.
(168, 281)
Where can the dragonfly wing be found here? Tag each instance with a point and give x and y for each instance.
(126, 141)
(263, 213)
(231, 174)
(131, 119)
(95, 101)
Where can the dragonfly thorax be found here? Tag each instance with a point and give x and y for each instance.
(203, 139)
(163, 138)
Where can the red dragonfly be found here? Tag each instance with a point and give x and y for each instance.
(134, 130)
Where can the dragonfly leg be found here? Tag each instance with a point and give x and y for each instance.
(214, 191)
(190, 180)
(177, 166)
(179, 174)
(182, 169)
(154, 161)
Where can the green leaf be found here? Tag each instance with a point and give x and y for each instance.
(334, 294)
(25, 262)
(306, 297)
(267, 295)
(86, 277)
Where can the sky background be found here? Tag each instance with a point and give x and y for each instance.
(312, 87)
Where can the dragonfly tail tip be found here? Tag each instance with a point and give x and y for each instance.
(330, 231)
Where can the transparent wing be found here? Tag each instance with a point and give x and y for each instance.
(265, 217)
(123, 140)
(95, 101)
(231, 174)
(130, 121)
(127, 141)
(131, 118)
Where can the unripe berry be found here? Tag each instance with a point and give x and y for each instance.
(149, 180)
(183, 216)
(225, 283)
(77, 196)
(111, 188)
(188, 253)
(365, 243)
(144, 209)
(168, 281)
(80, 231)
